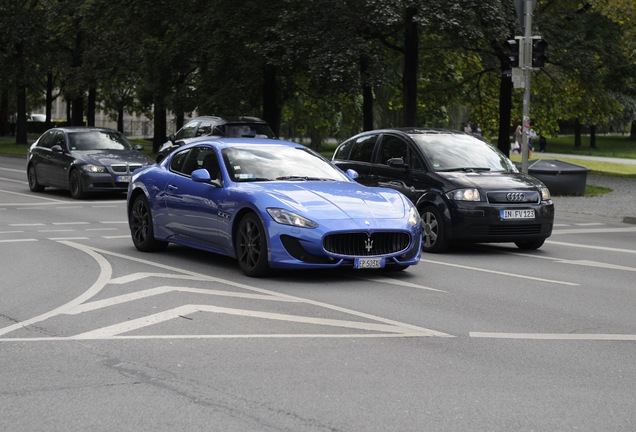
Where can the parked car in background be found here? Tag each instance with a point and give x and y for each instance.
(465, 189)
(37, 117)
(270, 204)
(83, 160)
(244, 126)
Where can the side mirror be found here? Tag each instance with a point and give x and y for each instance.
(202, 175)
(352, 174)
(396, 163)
(57, 149)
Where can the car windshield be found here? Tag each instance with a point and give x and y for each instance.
(269, 162)
(98, 140)
(458, 152)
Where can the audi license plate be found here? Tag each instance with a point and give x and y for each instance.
(517, 214)
(368, 263)
(123, 179)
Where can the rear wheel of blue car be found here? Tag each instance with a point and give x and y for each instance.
(433, 230)
(141, 230)
(251, 246)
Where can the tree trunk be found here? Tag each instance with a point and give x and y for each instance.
(367, 96)
(120, 119)
(409, 77)
(505, 105)
(21, 126)
(49, 99)
(90, 109)
(159, 136)
(593, 136)
(271, 110)
(77, 111)
(632, 134)
(577, 134)
(4, 113)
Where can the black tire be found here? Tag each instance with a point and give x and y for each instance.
(530, 244)
(433, 231)
(141, 228)
(75, 184)
(250, 245)
(33, 180)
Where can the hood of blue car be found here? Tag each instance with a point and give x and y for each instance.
(337, 200)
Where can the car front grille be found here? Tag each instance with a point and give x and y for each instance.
(514, 197)
(363, 244)
(125, 168)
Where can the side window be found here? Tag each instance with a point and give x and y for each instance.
(188, 130)
(363, 148)
(343, 151)
(393, 147)
(178, 161)
(204, 129)
(47, 140)
(58, 139)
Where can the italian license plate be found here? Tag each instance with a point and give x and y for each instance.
(517, 214)
(368, 263)
(123, 179)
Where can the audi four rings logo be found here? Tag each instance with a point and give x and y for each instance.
(515, 196)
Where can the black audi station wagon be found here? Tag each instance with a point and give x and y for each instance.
(465, 189)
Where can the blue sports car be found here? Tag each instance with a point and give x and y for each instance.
(271, 205)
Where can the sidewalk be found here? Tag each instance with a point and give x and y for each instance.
(618, 205)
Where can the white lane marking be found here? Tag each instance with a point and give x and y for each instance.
(605, 248)
(13, 170)
(61, 239)
(114, 222)
(555, 336)
(55, 230)
(105, 274)
(143, 275)
(11, 232)
(593, 230)
(229, 336)
(99, 304)
(30, 195)
(116, 237)
(136, 324)
(27, 225)
(515, 275)
(70, 223)
(390, 281)
(598, 264)
(18, 240)
(101, 229)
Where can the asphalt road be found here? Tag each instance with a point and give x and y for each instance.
(95, 335)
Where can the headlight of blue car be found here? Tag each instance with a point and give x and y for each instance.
(287, 217)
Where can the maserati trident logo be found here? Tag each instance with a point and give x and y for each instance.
(515, 197)
(368, 244)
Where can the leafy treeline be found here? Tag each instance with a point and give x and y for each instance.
(317, 68)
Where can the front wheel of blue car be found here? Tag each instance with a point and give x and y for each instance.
(141, 229)
(251, 246)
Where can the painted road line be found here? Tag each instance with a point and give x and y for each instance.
(18, 240)
(125, 298)
(555, 336)
(137, 324)
(605, 248)
(515, 275)
(593, 230)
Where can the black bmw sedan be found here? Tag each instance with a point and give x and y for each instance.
(465, 189)
(83, 160)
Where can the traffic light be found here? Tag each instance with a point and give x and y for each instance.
(538, 52)
(511, 47)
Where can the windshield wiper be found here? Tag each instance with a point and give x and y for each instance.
(304, 178)
(253, 179)
(465, 169)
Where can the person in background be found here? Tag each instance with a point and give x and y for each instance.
(13, 119)
(478, 130)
